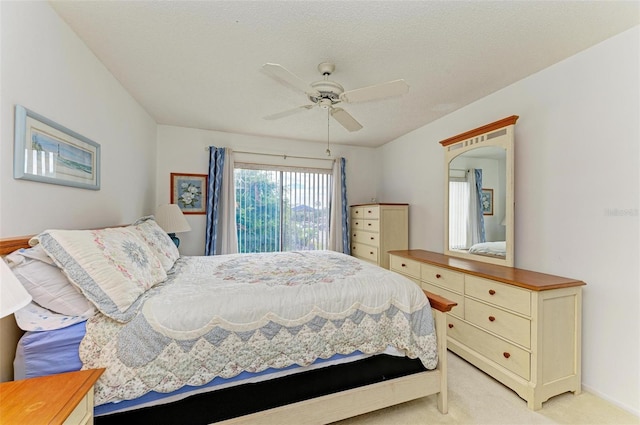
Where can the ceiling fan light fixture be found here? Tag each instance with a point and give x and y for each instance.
(327, 93)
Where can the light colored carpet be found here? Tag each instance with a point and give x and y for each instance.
(476, 398)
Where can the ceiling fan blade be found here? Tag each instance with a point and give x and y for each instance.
(345, 119)
(282, 75)
(289, 112)
(378, 91)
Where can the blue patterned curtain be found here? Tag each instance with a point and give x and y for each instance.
(216, 166)
(475, 225)
(339, 218)
(346, 246)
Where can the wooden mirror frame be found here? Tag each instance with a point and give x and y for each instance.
(497, 134)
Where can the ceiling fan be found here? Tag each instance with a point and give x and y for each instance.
(327, 93)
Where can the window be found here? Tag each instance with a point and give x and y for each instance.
(458, 213)
(281, 209)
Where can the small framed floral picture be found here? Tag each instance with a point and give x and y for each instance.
(189, 192)
(487, 201)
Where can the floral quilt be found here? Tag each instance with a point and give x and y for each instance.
(218, 316)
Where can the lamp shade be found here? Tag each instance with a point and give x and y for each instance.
(171, 219)
(13, 296)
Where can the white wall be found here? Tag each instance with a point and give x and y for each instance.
(183, 150)
(46, 68)
(577, 193)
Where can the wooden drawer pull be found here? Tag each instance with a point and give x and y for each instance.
(506, 355)
(369, 211)
(368, 224)
(438, 276)
(354, 235)
(357, 224)
(357, 212)
(491, 318)
(403, 265)
(372, 238)
(492, 292)
(450, 325)
(371, 252)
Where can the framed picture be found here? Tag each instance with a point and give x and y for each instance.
(189, 191)
(487, 201)
(47, 152)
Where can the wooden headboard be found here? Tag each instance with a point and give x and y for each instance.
(8, 245)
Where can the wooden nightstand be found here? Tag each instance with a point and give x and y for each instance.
(66, 398)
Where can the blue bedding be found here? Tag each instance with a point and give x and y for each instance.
(48, 352)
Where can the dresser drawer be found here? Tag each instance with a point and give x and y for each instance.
(357, 212)
(368, 225)
(507, 296)
(445, 278)
(368, 238)
(365, 252)
(495, 349)
(453, 296)
(507, 325)
(404, 266)
(372, 212)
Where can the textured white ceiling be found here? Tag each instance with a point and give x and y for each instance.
(198, 63)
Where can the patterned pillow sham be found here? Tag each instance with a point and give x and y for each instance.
(112, 267)
(158, 240)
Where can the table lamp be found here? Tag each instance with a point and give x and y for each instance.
(172, 221)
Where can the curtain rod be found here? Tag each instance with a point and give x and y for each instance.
(283, 156)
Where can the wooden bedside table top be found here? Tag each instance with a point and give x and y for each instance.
(46, 399)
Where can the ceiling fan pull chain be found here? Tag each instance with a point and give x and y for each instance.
(328, 150)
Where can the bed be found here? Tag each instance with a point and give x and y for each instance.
(317, 322)
(490, 249)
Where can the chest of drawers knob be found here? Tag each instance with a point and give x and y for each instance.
(492, 292)
(450, 325)
(438, 276)
(491, 318)
(506, 355)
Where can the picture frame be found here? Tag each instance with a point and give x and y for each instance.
(189, 192)
(47, 152)
(487, 201)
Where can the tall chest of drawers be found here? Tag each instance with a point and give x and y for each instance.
(521, 327)
(377, 229)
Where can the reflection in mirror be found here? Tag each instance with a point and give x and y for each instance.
(477, 202)
(479, 193)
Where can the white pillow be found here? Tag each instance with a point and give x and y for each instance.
(33, 317)
(158, 240)
(112, 267)
(46, 283)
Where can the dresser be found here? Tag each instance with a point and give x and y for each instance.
(377, 229)
(66, 398)
(521, 327)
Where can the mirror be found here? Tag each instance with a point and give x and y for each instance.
(479, 200)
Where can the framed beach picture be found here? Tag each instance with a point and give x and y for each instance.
(487, 201)
(47, 152)
(189, 192)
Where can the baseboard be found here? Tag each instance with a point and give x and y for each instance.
(615, 402)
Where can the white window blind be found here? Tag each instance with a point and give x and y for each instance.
(281, 208)
(458, 213)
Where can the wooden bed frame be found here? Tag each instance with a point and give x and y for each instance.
(319, 410)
